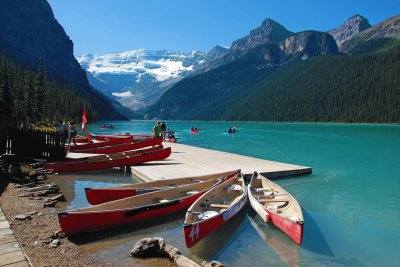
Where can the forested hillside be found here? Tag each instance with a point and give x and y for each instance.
(30, 96)
(362, 88)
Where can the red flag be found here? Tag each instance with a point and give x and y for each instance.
(84, 120)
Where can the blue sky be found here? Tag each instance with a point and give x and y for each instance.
(106, 26)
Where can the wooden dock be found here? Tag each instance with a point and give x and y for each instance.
(193, 161)
(11, 254)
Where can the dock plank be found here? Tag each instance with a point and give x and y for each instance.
(11, 254)
(193, 161)
(12, 258)
(9, 247)
(7, 239)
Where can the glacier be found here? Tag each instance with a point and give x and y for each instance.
(137, 78)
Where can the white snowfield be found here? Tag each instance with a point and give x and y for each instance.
(162, 65)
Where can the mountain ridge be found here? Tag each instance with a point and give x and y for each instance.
(30, 32)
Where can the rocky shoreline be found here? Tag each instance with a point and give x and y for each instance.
(36, 228)
(30, 205)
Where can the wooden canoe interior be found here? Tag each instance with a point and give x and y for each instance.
(173, 182)
(219, 199)
(275, 198)
(150, 198)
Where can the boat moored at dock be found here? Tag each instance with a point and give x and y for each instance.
(274, 204)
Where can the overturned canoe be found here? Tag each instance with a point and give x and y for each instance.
(104, 194)
(133, 209)
(122, 147)
(214, 209)
(277, 206)
(119, 159)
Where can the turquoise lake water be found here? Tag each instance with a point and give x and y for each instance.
(351, 202)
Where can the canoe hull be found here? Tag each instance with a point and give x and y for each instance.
(106, 142)
(122, 147)
(129, 210)
(196, 232)
(75, 222)
(202, 219)
(292, 228)
(101, 195)
(98, 195)
(108, 163)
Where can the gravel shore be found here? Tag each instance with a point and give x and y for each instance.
(35, 233)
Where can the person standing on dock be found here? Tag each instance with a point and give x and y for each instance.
(64, 129)
(72, 132)
(163, 130)
(156, 130)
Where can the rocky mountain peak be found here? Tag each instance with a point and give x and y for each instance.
(389, 28)
(269, 31)
(307, 44)
(351, 27)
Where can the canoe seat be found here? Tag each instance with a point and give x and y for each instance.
(219, 206)
(263, 189)
(268, 195)
(192, 192)
(207, 214)
(274, 206)
(234, 187)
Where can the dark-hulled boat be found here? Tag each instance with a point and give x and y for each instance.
(276, 205)
(216, 207)
(133, 209)
(104, 194)
(106, 161)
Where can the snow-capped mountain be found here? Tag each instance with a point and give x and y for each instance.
(138, 78)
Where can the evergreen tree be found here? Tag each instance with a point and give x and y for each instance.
(39, 83)
(6, 104)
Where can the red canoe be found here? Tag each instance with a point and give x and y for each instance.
(107, 142)
(119, 159)
(105, 137)
(277, 206)
(101, 195)
(135, 137)
(216, 207)
(133, 209)
(122, 147)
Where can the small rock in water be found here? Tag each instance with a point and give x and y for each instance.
(148, 246)
(22, 217)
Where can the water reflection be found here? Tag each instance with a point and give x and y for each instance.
(281, 244)
(215, 243)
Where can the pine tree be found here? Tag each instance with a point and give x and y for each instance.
(6, 104)
(39, 83)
